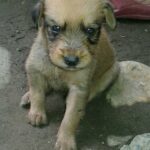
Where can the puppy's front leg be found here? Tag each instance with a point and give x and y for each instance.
(76, 102)
(37, 114)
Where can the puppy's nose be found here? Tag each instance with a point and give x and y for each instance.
(71, 60)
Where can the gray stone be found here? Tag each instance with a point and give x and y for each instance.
(140, 142)
(132, 85)
(117, 140)
(4, 67)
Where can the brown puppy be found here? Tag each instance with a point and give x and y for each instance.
(71, 52)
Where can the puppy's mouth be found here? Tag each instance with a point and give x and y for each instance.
(76, 68)
(68, 68)
(72, 68)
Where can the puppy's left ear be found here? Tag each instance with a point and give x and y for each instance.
(37, 14)
(109, 16)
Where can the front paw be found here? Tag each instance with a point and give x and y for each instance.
(65, 143)
(37, 118)
(25, 100)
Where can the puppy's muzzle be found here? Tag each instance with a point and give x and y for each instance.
(71, 61)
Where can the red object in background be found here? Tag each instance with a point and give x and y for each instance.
(135, 9)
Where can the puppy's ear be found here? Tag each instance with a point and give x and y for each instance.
(37, 14)
(109, 16)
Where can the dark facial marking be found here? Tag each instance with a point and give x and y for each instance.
(53, 30)
(92, 33)
(94, 39)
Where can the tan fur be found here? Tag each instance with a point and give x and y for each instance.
(76, 11)
(46, 68)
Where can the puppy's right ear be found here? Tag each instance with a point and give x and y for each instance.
(37, 14)
(109, 16)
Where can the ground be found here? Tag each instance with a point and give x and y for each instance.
(131, 40)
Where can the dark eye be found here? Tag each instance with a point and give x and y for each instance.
(55, 29)
(90, 31)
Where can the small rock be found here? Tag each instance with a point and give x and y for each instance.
(132, 85)
(18, 49)
(102, 142)
(4, 67)
(140, 142)
(117, 140)
(17, 31)
(123, 36)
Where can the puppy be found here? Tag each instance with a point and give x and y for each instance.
(71, 52)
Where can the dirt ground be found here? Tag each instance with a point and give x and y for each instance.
(131, 40)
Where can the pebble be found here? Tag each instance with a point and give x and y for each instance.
(4, 67)
(117, 140)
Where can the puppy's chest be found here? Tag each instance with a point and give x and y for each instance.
(56, 79)
(59, 79)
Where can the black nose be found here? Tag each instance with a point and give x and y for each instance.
(71, 60)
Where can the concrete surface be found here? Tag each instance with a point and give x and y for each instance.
(131, 40)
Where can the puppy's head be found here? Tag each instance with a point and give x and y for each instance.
(72, 29)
